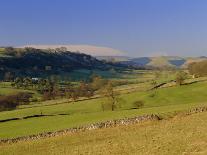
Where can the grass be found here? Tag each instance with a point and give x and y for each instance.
(45, 124)
(159, 62)
(165, 101)
(180, 135)
(6, 89)
(162, 97)
(2, 53)
(84, 74)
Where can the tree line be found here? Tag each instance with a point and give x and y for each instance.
(52, 88)
(10, 102)
(198, 68)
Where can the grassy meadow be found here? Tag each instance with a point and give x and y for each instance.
(146, 138)
(180, 135)
(163, 101)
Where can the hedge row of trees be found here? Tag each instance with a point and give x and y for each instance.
(198, 68)
(52, 88)
(10, 102)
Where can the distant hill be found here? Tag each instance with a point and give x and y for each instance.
(36, 62)
(113, 58)
(157, 62)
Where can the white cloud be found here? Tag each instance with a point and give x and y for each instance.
(87, 49)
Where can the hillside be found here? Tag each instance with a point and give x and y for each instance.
(69, 114)
(56, 116)
(157, 62)
(35, 62)
(185, 135)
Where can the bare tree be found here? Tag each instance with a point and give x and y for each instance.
(111, 96)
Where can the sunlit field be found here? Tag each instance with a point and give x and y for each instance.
(162, 101)
(180, 135)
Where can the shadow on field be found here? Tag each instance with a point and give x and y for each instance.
(32, 116)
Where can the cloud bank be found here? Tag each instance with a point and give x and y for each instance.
(87, 49)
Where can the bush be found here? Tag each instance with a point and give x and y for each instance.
(138, 104)
(7, 103)
(106, 106)
(180, 78)
(12, 101)
(198, 68)
(152, 95)
(23, 97)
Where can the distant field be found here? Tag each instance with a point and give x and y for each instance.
(163, 101)
(6, 89)
(2, 54)
(180, 135)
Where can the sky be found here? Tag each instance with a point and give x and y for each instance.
(136, 27)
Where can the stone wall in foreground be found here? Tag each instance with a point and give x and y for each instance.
(107, 124)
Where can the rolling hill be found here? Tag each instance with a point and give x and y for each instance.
(157, 62)
(36, 63)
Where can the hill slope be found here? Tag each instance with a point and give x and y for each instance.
(162, 61)
(35, 62)
(185, 135)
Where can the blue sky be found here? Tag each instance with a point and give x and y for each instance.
(138, 27)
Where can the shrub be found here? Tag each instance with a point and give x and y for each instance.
(180, 78)
(12, 101)
(138, 104)
(152, 94)
(23, 97)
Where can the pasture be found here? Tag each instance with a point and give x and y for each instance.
(163, 101)
(180, 135)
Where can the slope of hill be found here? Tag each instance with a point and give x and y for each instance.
(34, 62)
(157, 62)
(181, 135)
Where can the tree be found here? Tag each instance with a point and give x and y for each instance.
(10, 102)
(18, 82)
(138, 104)
(97, 82)
(180, 78)
(63, 49)
(41, 85)
(198, 68)
(154, 83)
(8, 76)
(9, 51)
(111, 96)
(27, 82)
(85, 90)
(74, 95)
(154, 88)
(48, 88)
(51, 88)
(157, 74)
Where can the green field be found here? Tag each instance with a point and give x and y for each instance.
(163, 101)
(144, 138)
(180, 135)
(6, 89)
(2, 53)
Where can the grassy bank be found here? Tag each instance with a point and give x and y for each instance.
(180, 135)
(165, 101)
